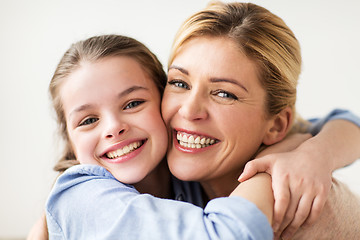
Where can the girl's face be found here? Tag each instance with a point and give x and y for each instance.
(213, 106)
(112, 111)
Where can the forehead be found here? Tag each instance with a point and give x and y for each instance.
(117, 71)
(218, 55)
(104, 79)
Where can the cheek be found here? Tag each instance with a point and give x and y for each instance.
(167, 107)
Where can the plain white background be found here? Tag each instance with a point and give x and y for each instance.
(35, 34)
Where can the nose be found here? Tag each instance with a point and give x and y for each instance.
(115, 128)
(193, 108)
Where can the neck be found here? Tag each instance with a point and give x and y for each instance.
(157, 182)
(221, 186)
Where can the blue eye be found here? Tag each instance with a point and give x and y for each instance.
(133, 104)
(179, 84)
(88, 121)
(224, 94)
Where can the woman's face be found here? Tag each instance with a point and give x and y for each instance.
(213, 105)
(112, 111)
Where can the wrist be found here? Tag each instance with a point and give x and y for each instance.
(317, 150)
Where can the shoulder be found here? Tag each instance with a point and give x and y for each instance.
(86, 180)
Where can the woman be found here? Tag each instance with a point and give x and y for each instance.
(232, 80)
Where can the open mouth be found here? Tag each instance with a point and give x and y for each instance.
(125, 150)
(194, 141)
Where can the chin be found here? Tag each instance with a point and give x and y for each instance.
(185, 173)
(129, 178)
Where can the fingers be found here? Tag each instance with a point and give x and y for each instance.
(308, 209)
(317, 207)
(302, 212)
(253, 167)
(290, 213)
(282, 199)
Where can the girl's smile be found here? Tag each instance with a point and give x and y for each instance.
(112, 111)
(123, 151)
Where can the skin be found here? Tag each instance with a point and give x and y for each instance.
(105, 104)
(211, 91)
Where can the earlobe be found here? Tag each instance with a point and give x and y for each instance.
(279, 126)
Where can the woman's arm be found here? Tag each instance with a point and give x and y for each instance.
(304, 173)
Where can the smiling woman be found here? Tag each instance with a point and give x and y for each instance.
(214, 88)
(232, 77)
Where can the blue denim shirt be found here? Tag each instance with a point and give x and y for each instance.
(87, 202)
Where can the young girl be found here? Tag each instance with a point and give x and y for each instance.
(106, 92)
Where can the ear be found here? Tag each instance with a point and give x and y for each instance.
(278, 126)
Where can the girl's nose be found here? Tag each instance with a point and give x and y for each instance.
(115, 128)
(193, 108)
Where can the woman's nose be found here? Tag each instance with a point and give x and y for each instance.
(193, 108)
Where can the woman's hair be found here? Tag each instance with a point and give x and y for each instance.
(91, 50)
(261, 36)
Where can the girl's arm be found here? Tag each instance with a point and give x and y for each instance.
(258, 191)
(302, 175)
(87, 202)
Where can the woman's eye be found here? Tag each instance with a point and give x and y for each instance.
(179, 84)
(133, 104)
(224, 94)
(88, 121)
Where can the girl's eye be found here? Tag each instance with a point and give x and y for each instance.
(224, 94)
(133, 104)
(179, 84)
(88, 121)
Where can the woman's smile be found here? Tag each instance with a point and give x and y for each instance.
(192, 142)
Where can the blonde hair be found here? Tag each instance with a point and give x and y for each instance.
(91, 50)
(261, 36)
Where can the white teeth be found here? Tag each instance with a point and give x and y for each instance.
(193, 141)
(125, 150)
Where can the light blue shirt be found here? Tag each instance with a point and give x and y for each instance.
(87, 202)
(318, 123)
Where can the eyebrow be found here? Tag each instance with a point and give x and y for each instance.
(213, 80)
(120, 95)
(179, 69)
(228, 80)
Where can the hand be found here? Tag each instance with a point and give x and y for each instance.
(300, 181)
